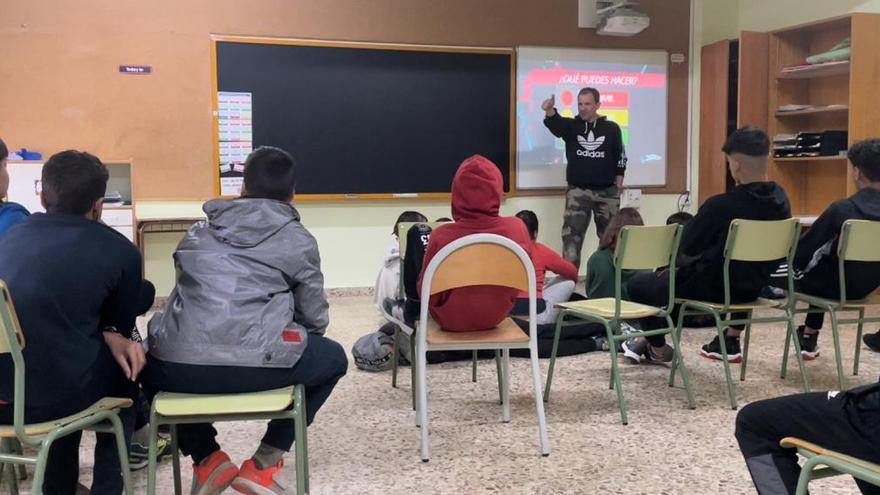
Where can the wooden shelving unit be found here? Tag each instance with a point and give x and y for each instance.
(812, 183)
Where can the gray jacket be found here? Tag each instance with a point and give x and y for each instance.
(249, 289)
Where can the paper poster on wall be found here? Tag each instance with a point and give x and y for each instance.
(633, 87)
(235, 138)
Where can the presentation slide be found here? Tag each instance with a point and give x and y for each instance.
(633, 86)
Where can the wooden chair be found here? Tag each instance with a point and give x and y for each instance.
(479, 259)
(638, 248)
(859, 241)
(102, 416)
(836, 463)
(752, 241)
(175, 408)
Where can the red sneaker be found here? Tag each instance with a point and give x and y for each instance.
(213, 475)
(253, 481)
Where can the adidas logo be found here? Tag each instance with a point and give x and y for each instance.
(590, 144)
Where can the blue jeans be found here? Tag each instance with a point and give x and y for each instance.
(319, 368)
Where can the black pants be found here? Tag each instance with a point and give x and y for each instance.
(827, 287)
(652, 288)
(62, 468)
(828, 420)
(322, 365)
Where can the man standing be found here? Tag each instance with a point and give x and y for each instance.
(596, 165)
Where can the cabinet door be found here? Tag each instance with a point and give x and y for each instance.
(714, 61)
(752, 88)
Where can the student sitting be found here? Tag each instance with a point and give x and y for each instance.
(600, 266)
(76, 285)
(388, 281)
(816, 261)
(10, 213)
(476, 198)
(551, 292)
(248, 313)
(844, 421)
(700, 254)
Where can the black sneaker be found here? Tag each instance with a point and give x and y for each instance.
(809, 344)
(712, 350)
(872, 340)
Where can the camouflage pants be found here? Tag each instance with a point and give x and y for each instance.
(579, 203)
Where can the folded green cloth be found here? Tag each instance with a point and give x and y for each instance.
(840, 51)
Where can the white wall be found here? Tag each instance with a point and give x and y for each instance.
(764, 15)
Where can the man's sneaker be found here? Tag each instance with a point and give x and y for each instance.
(393, 307)
(602, 343)
(213, 475)
(665, 355)
(635, 347)
(253, 481)
(872, 340)
(809, 344)
(712, 350)
(138, 455)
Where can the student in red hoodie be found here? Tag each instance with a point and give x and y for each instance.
(477, 190)
(549, 292)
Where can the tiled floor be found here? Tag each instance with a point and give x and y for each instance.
(364, 441)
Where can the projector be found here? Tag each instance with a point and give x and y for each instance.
(623, 21)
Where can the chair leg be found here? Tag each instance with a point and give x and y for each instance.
(678, 362)
(40, 466)
(858, 342)
(747, 332)
(301, 445)
(175, 460)
(422, 386)
(615, 376)
(122, 450)
(838, 359)
(539, 403)
(792, 336)
(474, 366)
(22, 469)
(505, 389)
(13, 478)
(394, 356)
(412, 369)
(151, 455)
(731, 388)
(498, 369)
(788, 334)
(559, 321)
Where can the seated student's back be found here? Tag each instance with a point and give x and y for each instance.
(477, 190)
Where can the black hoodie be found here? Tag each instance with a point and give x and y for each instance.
(700, 262)
(816, 258)
(594, 151)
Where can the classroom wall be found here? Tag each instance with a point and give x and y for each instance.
(761, 15)
(62, 90)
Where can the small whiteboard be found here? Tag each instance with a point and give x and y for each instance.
(633, 86)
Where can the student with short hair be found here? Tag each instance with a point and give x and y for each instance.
(10, 213)
(680, 217)
(76, 285)
(477, 189)
(816, 262)
(248, 313)
(700, 261)
(388, 281)
(549, 292)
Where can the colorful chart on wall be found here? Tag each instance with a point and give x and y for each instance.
(633, 86)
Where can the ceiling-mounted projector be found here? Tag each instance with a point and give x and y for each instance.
(612, 17)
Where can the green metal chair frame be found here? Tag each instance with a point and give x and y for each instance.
(176, 408)
(751, 241)
(858, 242)
(402, 229)
(638, 248)
(835, 462)
(102, 416)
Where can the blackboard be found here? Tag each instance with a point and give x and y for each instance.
(368, 120)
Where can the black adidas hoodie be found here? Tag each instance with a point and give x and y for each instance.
(700, 262)
(594, 151)
(816, 258)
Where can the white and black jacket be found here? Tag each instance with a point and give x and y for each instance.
(594, 151)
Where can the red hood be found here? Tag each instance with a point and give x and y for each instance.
(477, 189)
